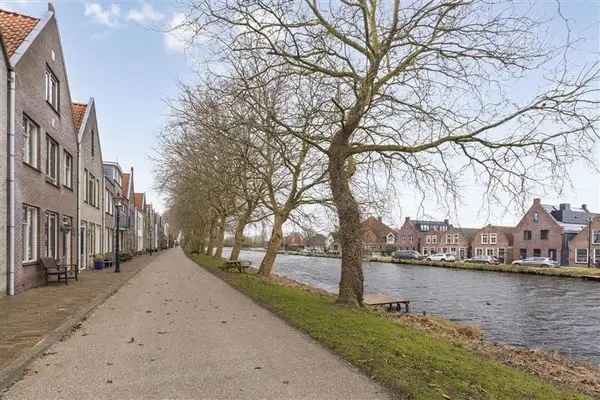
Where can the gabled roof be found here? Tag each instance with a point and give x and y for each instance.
(125, 185)
(15, 28)
(468, 233)
(78, 114)
(139, 201)
(376, 226)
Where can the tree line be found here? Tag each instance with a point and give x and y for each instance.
(300, 102)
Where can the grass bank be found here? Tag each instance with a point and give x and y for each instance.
(569, 272)
(408, 361)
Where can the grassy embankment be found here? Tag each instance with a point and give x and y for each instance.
(571, 272)
(411, 363)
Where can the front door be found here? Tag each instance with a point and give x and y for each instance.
(552, 254)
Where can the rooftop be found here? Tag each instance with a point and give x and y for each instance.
(15, 28)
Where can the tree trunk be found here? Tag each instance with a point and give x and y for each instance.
(266, 266)
(239, 236)
(351, 282)
(211, 238)
(220, 237)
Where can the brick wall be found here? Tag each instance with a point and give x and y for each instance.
(581, 242)
(32, 187)
(535, 221)
(482, 243)
(3, 171)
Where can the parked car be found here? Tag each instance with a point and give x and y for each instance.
(536, 261)
(441, 257)
(406, 255)
(483, 260)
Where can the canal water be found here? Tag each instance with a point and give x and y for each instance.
(526, 310)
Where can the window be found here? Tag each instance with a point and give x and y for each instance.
(527, 235)
(52, 159)
(597, 256)
(536, 218)
(51, 235)
(544, 234)
(456, 237)
(523, 253)
(581, 256)
(434, 239)
(484, 239)
(595, 237)
(31, 141)
(428, 239)
(537, 252)
(493, 238)
(490, 251)
(462, 252)
(501, 253)
(478, 252)
(52, 90)
(30, 233)
(97, 193)
(68, 171)
(91, 189)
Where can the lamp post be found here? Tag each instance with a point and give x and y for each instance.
(118, 205)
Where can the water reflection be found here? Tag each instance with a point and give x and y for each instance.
(528, 310)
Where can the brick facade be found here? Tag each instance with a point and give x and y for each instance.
(580, 248)
(54, 202)
(91, 188)
(457, 241)
(493, 240)
(546, 231)
(426, 237)
(4, 76)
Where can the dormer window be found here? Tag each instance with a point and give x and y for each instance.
(52, 89)
(536, 218)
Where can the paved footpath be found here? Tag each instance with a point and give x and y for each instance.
(177, 332)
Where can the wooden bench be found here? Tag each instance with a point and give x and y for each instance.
(239, 265)
(378, 300)
(61, 271)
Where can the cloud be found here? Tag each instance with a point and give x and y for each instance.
(179, 36)
(145, 14)
(108, 16)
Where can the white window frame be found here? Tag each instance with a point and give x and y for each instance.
(493, 238)
(484, 238)
(595, 236)
(52, 89)
(68, 170)
(30, 233)
(479, 251)
(434, 239)
(52, 149)
(578, 260)
(51, 252)
(490, 252)
(596, 253)
(31, 130)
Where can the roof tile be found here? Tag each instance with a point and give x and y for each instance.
(14, 29)
(78, 114)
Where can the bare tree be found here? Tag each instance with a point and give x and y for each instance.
(429, 87)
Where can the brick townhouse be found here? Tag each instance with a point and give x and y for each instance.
(377, 236)
(140, 225)
(546, 231)
(42, 195)
(494, 240)
(293, 241)
(4, 92)
(458, 241)
(114, 174)
(586, 244)
(91, 188)
(424, 236)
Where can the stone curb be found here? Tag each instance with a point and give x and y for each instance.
(13, 372)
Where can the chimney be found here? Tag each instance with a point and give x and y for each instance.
(564, 206)
(585, 208)
(537, 201)
(379, 219)
(51, 6)
(447, 221)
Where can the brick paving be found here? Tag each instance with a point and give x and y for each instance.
(28, 317)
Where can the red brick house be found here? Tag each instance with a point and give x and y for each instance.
(423, 236)
(586, 244)
(494, 240)
(293, 241)
(377, 236)
(546, 230)
(457, 241)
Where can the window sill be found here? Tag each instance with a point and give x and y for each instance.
(32, 167)
(53, 108)
(29, 263)
(52, 182)
(68, 188)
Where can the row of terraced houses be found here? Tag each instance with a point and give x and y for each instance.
(566, 234)
(60, 197)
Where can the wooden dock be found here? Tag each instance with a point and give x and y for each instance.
(382, 300)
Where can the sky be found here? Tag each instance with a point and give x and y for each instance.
(118, 53)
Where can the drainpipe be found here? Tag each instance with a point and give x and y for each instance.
(78, 231)
(11, 182)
